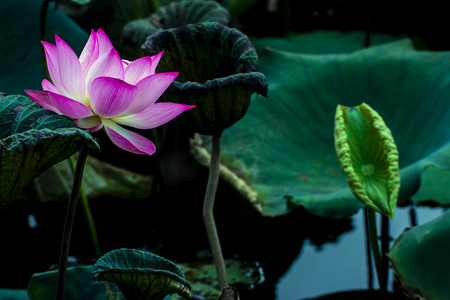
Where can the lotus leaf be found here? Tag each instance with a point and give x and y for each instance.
(31, 140)
(420, 259)
(79, 285)
(283, 148)
(321, 41)
(175, 14)
(218, 72)
(141, 274)
(431, 189)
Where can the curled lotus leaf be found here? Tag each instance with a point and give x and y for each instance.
(173, 15)
(218, 72)
(141, 275)
(368, 155)
(419, 258)
(32, 139)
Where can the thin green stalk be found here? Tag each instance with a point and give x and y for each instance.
(137, 9)
(208, 213)
(385, 243)
(88, 215)
(153, 5)
(368, 249)
(376, 249)
(68, 224)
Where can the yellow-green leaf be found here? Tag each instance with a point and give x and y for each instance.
(368, 155)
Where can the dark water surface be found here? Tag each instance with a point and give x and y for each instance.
(342, 265)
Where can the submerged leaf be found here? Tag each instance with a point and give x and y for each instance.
(141, 274)
(368, 155)
(31, 140)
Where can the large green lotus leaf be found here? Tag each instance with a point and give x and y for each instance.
(420, 258)
(31, 140)
(432, 187)
(78, 285)
(101, 179)
(21, 51)
(321, 41)
(141, 274)
(282, 150)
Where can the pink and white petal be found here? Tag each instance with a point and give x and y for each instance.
(89, 53)
(139, 69)
(51, 55)
(111, 96)
(49, 87)
(69, 107)
(104, 43)
(154, 116)
(70, 70)
(43, 99)
(156, 58)
(96, 128)
(149, 90)
(128, 140)
(109, 65)
(88, 122)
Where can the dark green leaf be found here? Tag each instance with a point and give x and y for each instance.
(141, 274)
(218, 73)
(321, 42)
(31, 140)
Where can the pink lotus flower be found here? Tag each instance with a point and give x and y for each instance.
(100, 90)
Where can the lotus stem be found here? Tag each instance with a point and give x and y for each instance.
(88, 215)
(369, 250)
(68, 224)
(137, 9)
(208, 213)
(385, 240)
(376, 249)
(412, 217)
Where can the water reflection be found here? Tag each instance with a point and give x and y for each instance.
(342, 265)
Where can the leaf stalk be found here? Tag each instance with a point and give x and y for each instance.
(68, 224)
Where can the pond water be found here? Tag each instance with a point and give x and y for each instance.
(342, 265)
